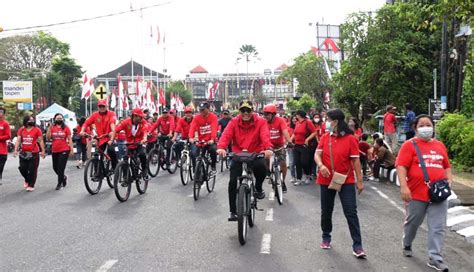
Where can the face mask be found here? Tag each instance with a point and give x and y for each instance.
(317, 120)
(328, 126)
(30, 123)
(58, 122)
(425, 133)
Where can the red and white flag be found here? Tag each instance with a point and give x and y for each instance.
(161, 98)
(86, 92)
(91, 88)
(172, 101)
(158, 35)
(113, 98)
(329, 43)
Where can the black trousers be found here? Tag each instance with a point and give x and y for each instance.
(363, 162)
(3, 160)
(259, 171)
(302, 160)
(141, 152)
(167, 144)
(59, 164)
(377, 165)
(212, 149)
(111, 152)
(29, 169)
(81, 151)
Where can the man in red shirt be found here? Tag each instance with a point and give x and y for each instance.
(175, 117)
(246, 132)
(165, 125)
(5, 135)
(390, 127)
(182, 128)
(278, 136)
(205, 124)
(136, 130)
(103, 124)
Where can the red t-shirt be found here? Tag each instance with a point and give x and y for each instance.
(87, 130)
(321, 129)
(29, 139)
(5, 135)
(364, 148)
(206, 127)
(389, 122)
(344, 149)
(166, 125)
(154, 133)
(183, 128)
(134, 133)
(358, 133)
(436, 161)
(59, 138)
(102, 124)
(302, 130)
(276, 131)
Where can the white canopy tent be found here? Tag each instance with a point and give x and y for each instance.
(48, 115)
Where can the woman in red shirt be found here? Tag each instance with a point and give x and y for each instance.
(354, 125)
(338, 151)
(414, 190)
(81, 143)
(303, 133)
(5, 135)
(291, 157)
(28, 138)
(61, 147)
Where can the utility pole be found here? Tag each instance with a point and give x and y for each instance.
(444, 66)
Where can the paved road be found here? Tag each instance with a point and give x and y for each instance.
(165, 229)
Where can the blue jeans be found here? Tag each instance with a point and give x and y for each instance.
(291, 164)
(122, 149)
(347, 195)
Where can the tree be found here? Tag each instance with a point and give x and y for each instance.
(248, 52)
(312, 77)
(305, 103)
(177, 87)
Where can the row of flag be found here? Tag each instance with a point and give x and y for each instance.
(330, 45)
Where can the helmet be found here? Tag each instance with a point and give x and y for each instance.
(138, 112)
(270, 108)
(246, 104)
(188, 109)
(102, 103)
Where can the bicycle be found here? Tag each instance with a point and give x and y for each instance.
(128, 171)
(225, 162)
(153, 158)
(186, 169)
(246, 198)
(97, 168)
(276, 177)
(203, 172)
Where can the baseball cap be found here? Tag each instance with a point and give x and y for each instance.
(246, 104)
(165, 110)
(204, 105)
(102, 103)
(138, 112)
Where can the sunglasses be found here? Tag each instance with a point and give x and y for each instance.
(245, 110)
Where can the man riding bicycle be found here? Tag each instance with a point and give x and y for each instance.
(165, 125)
(205, 124)
(278, 135)
(182, 128)
(136, 130)
(103, 123)
(224, 121)
(246, 132)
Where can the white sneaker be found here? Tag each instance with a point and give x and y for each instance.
(308, 180)
(374, 179)
(293, 180)
(298, 182)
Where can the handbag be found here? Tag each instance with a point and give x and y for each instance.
(26, 156)
(338, 179)
(312, 144)
(439, 190)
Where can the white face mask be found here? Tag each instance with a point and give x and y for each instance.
(425, 133)
(316, 120)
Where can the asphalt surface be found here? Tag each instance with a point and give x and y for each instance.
(165, 229)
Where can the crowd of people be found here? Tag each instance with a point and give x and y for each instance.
(322, 147)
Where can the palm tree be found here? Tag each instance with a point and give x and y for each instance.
(248, 52)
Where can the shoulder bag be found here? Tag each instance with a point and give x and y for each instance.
(338, 179)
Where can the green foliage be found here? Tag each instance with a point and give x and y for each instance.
(312, 77)
(248, 52)
(177, 87)
(456, 131)
(468, 88)
(304, 103)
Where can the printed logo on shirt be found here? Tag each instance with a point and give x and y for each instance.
(433, 160)
(27, 140)
(205, 129)
(58, 135)
(274, 134)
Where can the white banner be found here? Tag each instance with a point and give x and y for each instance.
(17, 91)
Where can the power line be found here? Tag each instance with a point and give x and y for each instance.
(88, 19)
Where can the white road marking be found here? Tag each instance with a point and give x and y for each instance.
(467, 232)
(271, 196)
(107, 265)
(266, 241)
(388, 199)
(457, 208)
(459, 219)
(269, 216)
(191, 195)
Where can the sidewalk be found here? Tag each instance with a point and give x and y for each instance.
(463, 185)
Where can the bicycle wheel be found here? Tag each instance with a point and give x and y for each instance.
(92, 179)
(242, 210)
(122, 181)
(198, 179)
(277, 184)
(109, 172)
(210, 181)
(163, 159)
(142, 183)
(153, 162)
(252, 204)
(173, 162)
(185, 169)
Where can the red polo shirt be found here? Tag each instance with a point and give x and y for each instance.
(166, 125)
(277, 126)
(87, 130)
(154, 134)
(302, 130)
(436, 160)
(206, 127)
(102, 124)
(135, 133)
(29, 139)
(344, 149)
(183, 128)
(389, 122)
(5, 135)
(59, 138)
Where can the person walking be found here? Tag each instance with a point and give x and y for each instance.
(81, 143)
(28, 138)
(414, 189)
(407, 125)
(390, 127)
(291, 157)
(302, 135)
(5, 135)
(337, 157)
(61, 147)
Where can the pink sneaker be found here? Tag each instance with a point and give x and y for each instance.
(25, 184)
(325, 245)
(30, 189)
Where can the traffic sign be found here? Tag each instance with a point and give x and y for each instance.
(100, 92)
(435, 109)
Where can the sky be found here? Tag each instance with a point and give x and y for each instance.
(197, 32)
